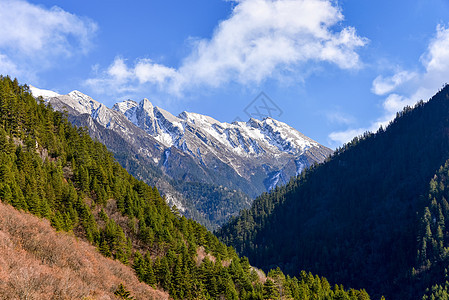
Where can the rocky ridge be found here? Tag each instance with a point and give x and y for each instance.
(251, 157)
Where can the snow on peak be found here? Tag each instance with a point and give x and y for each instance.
(128, 108)
(36, 92)
(146, 105)
(242, 138)
(285, 137)
(83, 103)
(252, 123)
(81, 98)
(124, 106)
(189, 130)
(197, 119)
(167, 115)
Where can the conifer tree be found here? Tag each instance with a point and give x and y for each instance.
(270, 290)
(123, 293)
(149, 276)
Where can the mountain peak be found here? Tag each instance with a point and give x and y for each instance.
(196, 118)
(76, 93)
(125, 106)
(269, 148)
(146, 104)
(83, 99)
(82, 102)
(36, 92)
(255, 123)
(130, 102)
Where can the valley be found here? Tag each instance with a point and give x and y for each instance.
(224, 150)
(208, 169)
(58, 173)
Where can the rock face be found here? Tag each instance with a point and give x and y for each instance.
(251, 157)
(260, 154)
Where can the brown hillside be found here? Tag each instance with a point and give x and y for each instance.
(36, 262)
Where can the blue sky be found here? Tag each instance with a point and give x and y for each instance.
(334, 68)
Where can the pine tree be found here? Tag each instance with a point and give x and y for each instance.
(104, 248)
(149, 276)
(5, 193)
(139, 266)
(178, 278)
(123, 293)
(164, 274)
(270, 290)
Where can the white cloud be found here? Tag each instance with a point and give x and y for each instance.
(436, 60)
(424, 85)
(395, 103)
(259, 40)
(34, 37)
(118, 76)
(342, 137)
(6, 65)
(147, 71)
(384, 85)
(118, 70)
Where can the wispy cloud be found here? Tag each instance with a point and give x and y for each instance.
(119, 78)
(34, 37)
(341, 137)
(421, 86)
(7, 66)
(384, 85)
(338, 117)
(261, 39)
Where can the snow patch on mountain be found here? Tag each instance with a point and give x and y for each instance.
(174, 201)
(185, 131)
(79, 102)
(36, 92)
(238, 149)
(128, 108)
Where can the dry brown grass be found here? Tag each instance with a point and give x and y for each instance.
(36, 262)
(260, 274)
(201, 254)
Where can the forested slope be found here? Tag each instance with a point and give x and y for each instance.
(56, 171)
(36, 262)
(356, 218)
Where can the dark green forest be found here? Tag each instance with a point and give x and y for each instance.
(218, 202)
(54, 170)
(368, 217)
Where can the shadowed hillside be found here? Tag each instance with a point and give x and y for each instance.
(358, 217)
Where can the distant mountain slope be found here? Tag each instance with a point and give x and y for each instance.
(254, 150)
(195, 155)
(36, 262)
(357, 217)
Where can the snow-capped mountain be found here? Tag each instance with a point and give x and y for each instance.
(43, 93)
(244, 146)
(250, 138)
(252, 156)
